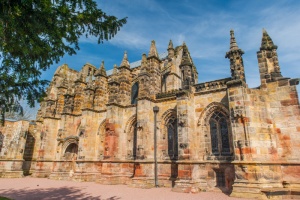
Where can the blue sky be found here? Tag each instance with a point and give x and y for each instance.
(204, 25)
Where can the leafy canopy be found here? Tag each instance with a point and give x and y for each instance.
(34, 34)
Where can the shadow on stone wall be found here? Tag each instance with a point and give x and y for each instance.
(28, 153)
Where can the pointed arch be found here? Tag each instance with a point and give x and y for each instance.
(80, 130)
(208, 111)
(101, 128)
(70, 148)
(100, 140)
(129, 123)
(169, 131)
(215, 124)
(131, 137)
(166, 116)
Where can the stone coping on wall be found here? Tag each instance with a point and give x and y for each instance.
(93, 110)
(121, 106)
(211, 86)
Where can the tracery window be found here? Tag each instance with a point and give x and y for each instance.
(172, 138)
(134, 93)
(219, 134)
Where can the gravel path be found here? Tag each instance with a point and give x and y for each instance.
(42, 188)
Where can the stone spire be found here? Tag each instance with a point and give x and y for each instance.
(114, 86)
(170, 46)
(115, 75)
(153, 50)
(236, 61)
(267, 42)
(101, 90)
(101, 71)
(144, 78)
(269, 68)
(187, 68)
(186, 59)
(125, 62)
(171, 51)
(233, 44)
(115, 70)
(125, 78)
(144, 63)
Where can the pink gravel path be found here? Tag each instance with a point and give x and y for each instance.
(42, 188)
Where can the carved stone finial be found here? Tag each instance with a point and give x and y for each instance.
(115, 70)
(170, 46)
(171, 51)
(267, 42)
(233, 44)
(102, 69)
(153, 50)
(236, 61)
(186, 59)
(125, 62)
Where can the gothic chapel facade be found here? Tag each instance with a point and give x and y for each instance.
(98, 125)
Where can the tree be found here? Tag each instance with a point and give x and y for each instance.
(34, 34)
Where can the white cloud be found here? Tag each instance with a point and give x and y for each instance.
(205, 29)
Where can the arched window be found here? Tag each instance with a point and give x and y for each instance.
(172, 138)
(71, 152)
(1, 141)
(219, 134)
(134, 93)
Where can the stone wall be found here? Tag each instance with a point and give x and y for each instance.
(12, 146)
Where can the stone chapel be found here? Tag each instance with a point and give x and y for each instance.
(221, 135)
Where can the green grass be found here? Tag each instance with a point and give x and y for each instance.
(4, 198)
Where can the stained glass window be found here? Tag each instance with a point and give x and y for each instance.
(134, 93)
(214, 136)
(219, 134)
(172, 138)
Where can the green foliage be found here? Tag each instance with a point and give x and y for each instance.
(34, 34)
